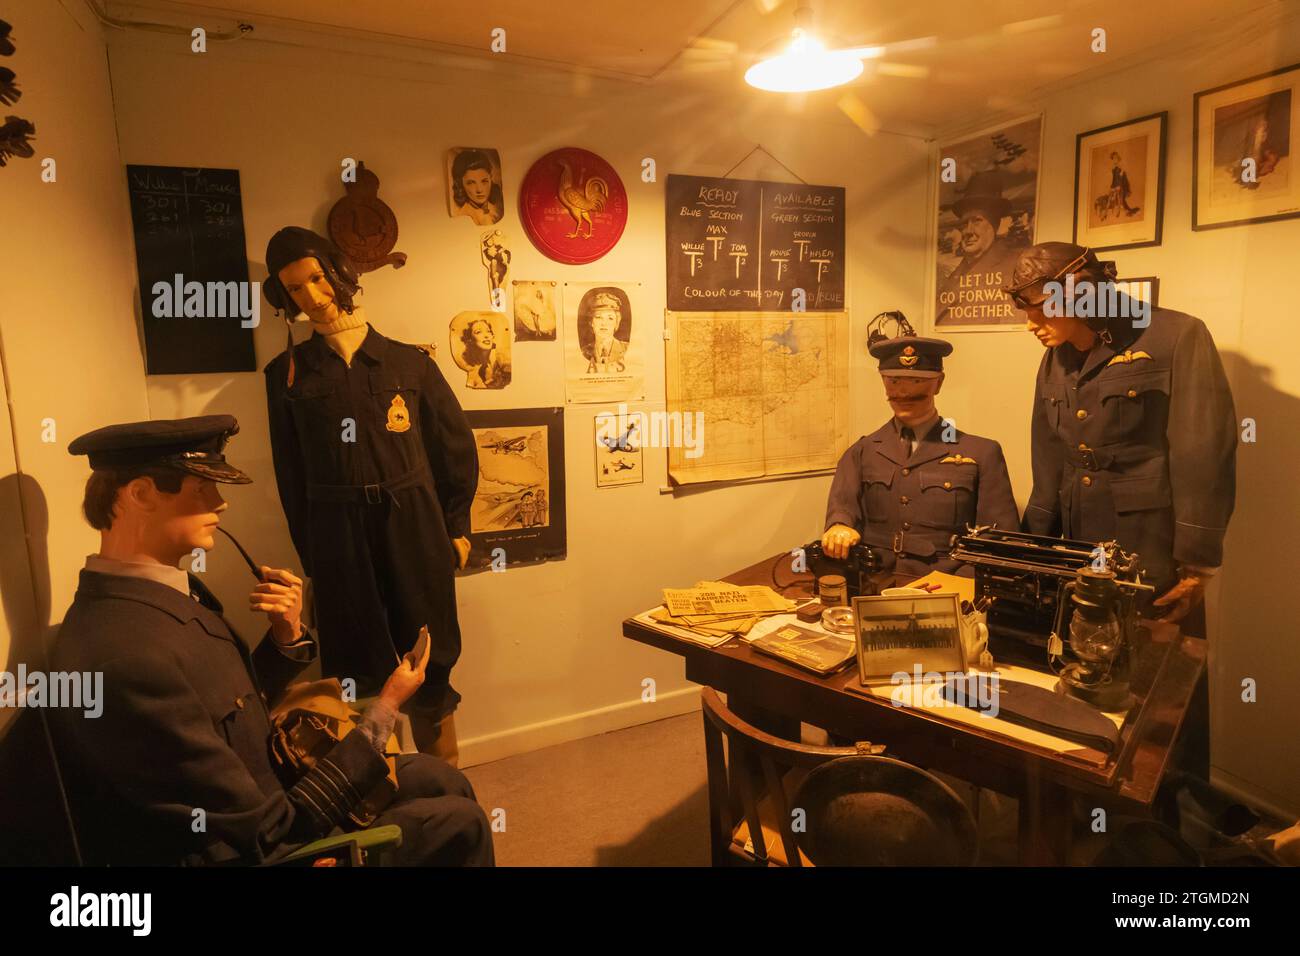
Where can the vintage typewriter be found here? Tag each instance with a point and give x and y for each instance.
(863, 562)
(1019, 579)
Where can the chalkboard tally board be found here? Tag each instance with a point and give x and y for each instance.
(190, 223)
(742, 245)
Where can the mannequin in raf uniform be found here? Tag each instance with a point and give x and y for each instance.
(376, 467)
(912, 484)
(1134, 434)
(1134, 439)
(176, 769)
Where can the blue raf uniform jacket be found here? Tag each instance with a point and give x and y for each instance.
(912, 505)
(185, 727)
(1136, 441)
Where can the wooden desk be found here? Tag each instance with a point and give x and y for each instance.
(776, 696)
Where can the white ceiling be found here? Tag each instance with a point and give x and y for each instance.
(944, 60)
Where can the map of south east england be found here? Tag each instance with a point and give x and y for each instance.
(773, 391)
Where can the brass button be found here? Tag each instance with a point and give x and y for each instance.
(1083, 446)
(947, 485)
(907, 471)
(907, 526)
(1087, 480)
(1081, 414)
(904, 499)
(1132, 393)
(239, 702)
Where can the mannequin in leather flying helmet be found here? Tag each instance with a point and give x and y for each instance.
(376, 467)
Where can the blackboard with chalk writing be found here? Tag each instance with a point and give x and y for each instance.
(197, 305)
(742, 245)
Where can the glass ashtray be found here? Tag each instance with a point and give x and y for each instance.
(838, 620)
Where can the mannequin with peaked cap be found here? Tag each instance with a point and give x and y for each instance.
(912, 484)
(376, 467)
(182, 729)
(1134, 434)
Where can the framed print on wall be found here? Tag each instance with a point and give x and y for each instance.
(1119, 184)
(1144, 289)
(1242, 160)
(987, 209)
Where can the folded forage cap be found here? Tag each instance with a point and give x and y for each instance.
(194, 445)
(1052, 262)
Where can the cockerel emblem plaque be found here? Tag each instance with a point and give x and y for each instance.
(573, 206)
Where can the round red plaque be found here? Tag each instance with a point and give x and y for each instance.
(573, 205)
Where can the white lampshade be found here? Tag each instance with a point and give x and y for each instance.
(805, 65)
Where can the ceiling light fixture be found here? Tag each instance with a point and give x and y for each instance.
(805, 64)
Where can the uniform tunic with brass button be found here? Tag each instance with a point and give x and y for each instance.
(177, 768)
(376, 467)
(911, 505)
(1135, 441)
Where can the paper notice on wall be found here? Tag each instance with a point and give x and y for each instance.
(604, 332)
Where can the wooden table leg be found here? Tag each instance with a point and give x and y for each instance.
(1045, 824)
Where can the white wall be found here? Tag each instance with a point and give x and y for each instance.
(1239, 280)
(544, 658)
(66, 325)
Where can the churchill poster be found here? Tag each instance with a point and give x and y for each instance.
(988, 196)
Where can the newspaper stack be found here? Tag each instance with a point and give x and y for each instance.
(716, 610)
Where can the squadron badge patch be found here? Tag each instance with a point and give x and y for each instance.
(399, 420)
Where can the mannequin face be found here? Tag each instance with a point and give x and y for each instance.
(912, 399)
(604, 321)
(306, 282)
(1052, 331)
(483, 337)
(477, 184)
(167, 526)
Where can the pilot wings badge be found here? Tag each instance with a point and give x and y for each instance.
(1127, 356)
(956, 460)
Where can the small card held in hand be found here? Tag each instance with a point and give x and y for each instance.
(417, 652)
(820, 653)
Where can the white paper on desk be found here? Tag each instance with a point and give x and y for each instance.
(768, 625)
(912, 696)
(645, 618)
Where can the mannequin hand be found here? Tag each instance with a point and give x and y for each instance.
(279, 596)
(406, 679)
(1182, 597)
(1286, 844)
(462, 551)
(838, 539)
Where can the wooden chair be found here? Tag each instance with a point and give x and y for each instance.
(751, 781)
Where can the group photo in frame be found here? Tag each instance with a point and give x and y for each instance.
(1241, 151)
(1119, 184)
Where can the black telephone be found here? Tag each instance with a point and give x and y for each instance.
(863, 562)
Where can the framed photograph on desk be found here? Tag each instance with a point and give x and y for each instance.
(900, 633)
